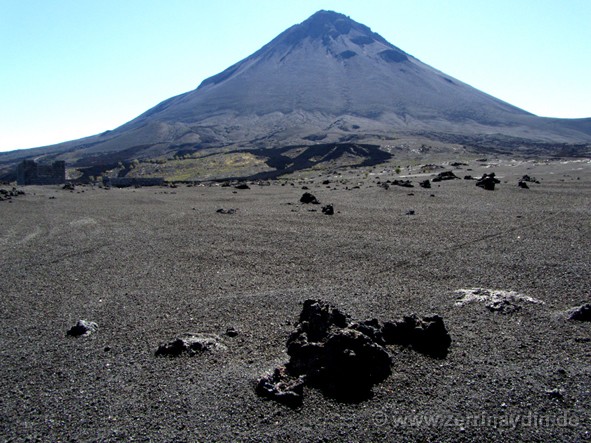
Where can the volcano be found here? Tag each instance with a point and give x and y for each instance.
(326, 80)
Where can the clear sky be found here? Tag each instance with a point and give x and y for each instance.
(73, 68)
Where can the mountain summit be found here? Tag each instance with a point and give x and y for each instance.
(327, 79)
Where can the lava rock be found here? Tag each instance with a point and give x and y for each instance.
(191, 344)
(82, 328)
(346, 359)
(309, 198)
(328, 210)
(69, 187)
(488, 181)
(231, 332)
(503, 306)
(427, 335)
(582, 313)
(403, 183)
(425, 184)
(242, 186)
(523, 185)
(226, 211)
(445, 175)
(282, 387)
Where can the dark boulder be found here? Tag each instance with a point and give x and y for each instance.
(242, 186)
(425, 184)
(445, 175)
(488, 181)
(523, 185)
(328, 210)
(309, 198)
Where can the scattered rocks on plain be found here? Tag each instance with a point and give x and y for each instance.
(82, 328)
(9, 195)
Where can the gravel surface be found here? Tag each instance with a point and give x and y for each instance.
(151, 264)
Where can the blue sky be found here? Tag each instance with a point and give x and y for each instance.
(73, 68)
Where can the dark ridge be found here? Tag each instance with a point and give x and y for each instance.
(312, 156)
(218, 78)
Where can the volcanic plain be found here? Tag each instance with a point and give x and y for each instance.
(151, 264)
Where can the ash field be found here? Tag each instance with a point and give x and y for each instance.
(504, 269)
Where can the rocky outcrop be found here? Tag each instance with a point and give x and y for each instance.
(346, 359)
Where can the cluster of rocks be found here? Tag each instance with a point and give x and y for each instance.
(308, 198)
(523, 182)
(345, 359)
(9, 195)
(488, 181)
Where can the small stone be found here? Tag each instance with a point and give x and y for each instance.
(231, 332)
(82, 328)
(328, 210)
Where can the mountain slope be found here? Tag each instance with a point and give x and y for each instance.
(327, 79)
